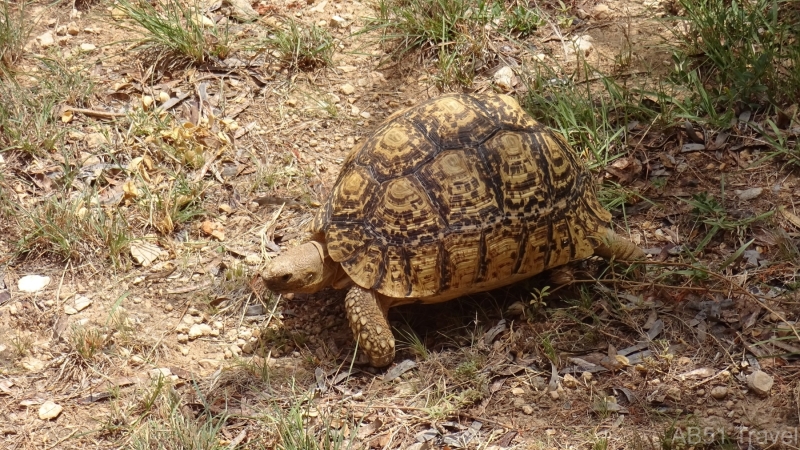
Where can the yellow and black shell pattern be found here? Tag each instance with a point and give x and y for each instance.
(457, 195)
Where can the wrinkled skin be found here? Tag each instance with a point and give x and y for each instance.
(304, 269)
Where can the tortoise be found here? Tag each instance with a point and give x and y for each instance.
(457, 195)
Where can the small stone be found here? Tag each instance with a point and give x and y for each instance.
(87, 47)
(365, 114)
(136, 359)
(674, 394)
(50, 410)
(527, 409)
(159, 372)
(313, 143)
(355, 110)
(199, 329)
(554, 395)
(504, 78)
(748, 194)
(517, 391)
(338, 22)
(72, 29)
(252, 259)
(182, 338)
(759, 382)
(168, 307)
(719, 392)
(243, 11)
(586, 376)
(570, 381)
(70, 310)
(208, 363)
(583, 44)
(601, 11)
(46, 39)
(33, 283)
(347, 89)
(291, 102)
(245, 334)
(82, 302)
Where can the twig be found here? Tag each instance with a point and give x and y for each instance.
(94, 112)
(237, 440)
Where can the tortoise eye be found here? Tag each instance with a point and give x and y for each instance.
(286, 277)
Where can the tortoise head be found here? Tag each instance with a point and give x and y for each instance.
(305, 269)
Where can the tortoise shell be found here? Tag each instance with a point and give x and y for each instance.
(459, 194)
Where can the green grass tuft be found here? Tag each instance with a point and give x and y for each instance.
(749, 49)
(172, 29)
(301, 47)
(15, 28)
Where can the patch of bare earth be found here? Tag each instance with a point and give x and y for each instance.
(655, 361)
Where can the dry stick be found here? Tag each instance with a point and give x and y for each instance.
(94, 112)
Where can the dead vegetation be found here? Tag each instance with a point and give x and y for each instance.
(155, 155)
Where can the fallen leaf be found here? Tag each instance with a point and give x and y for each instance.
(130, 189)
(144, 252)
(791, 217)
(703, 372)
(213, 229)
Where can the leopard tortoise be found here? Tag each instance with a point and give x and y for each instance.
(457, 195)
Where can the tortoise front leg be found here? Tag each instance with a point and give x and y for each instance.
(367, 315)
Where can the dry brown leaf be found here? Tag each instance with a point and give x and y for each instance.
(144, 252)
(213, 229)
(130, 189)
(791, 217)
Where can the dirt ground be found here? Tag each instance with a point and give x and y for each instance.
(653, 361)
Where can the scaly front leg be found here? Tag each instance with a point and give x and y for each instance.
(367, 315)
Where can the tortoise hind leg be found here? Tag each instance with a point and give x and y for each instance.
(367, 316)
(615, 246)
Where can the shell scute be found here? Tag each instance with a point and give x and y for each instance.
(457, 195)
